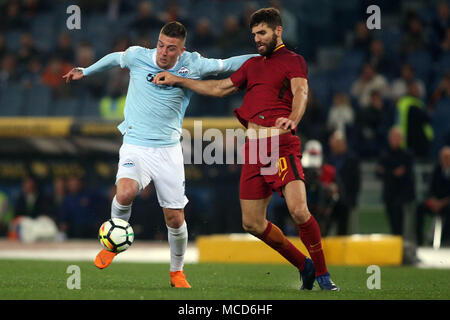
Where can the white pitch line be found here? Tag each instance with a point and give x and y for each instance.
(160, 255)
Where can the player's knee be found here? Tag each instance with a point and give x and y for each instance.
(300, 213)
(125, 197)
(174, 217)
(252, 227)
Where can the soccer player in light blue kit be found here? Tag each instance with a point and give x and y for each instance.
(151, 149)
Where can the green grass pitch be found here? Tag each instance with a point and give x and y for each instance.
(32, 279)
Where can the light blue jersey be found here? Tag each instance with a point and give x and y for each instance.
(154, 113)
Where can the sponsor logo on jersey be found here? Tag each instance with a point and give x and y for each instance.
(128, 164)
(183, 72)
(150, 77)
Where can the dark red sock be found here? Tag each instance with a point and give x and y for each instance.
(311, 238)
(275, 238)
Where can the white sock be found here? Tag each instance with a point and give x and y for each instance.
(178, 239)
(120, 211)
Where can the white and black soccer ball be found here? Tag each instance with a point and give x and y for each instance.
(116, 235)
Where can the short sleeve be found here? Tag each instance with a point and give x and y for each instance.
(239, 77)
(297, 68)
(210, 66)
(127, 57)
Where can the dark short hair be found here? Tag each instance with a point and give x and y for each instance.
(174, 29)
(270, 16)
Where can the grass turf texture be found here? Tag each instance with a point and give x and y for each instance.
(31, 279)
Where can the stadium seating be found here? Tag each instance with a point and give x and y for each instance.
(422, 64)
(320, 85)
(37, 101)
(43, 31)
(65, 108)
(11, 100)
(443, 65)
(352, 61)
(89, 107)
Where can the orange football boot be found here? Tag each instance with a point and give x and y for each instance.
(178, 280)
(104, 258)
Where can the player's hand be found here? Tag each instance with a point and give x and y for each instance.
(165, 78)
(74, 74)
(285, 124)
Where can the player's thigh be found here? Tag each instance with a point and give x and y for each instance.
(254, 214)
(295, 194)
(131, 176)
(169, 179)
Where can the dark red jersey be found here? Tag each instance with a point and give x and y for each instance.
(267, 81)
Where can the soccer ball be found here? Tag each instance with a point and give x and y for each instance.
(116, 235)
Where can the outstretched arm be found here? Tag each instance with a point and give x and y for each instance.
(107, 62)
(215, 88)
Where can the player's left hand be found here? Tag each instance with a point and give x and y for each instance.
(285, 124)
(165, 78)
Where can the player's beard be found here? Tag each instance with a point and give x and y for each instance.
(269, 47)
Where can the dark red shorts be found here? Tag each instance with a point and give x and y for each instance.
(261, 176)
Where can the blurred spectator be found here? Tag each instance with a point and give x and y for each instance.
(56, 197)
(441, 22)
(6, 213)
(173, 13)
(94, 84)
(312, 123)
(290, 24)
(341, 113)
(348, 173)
(12, 18)
(3, 48)
(89, 6)
(362, 38)
(227, 211)
(79, 216)
(118, 78)
(64, 48)
(8, 70)
(146, 20)
(31, 201)
(414, 122)
(32, 75)
(122, 43)
(368, 81)
(378, 59)
(116, 8)
(323, 190)
(53, 76)
(144, 41)
(438, 200)
(232, 36)
(27, 49)
(244, 18)
(147, 217)
(399, 87)
(441, 92)
(31, 7)
(373, 125)
(414, 38)
(203, 37)
(445, 44)
(112, 105)
(395, 168)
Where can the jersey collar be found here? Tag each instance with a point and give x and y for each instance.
(277, 49)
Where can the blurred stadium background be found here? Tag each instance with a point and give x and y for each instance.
(59, 144)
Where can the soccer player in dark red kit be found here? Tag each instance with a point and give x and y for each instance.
(275, 100)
